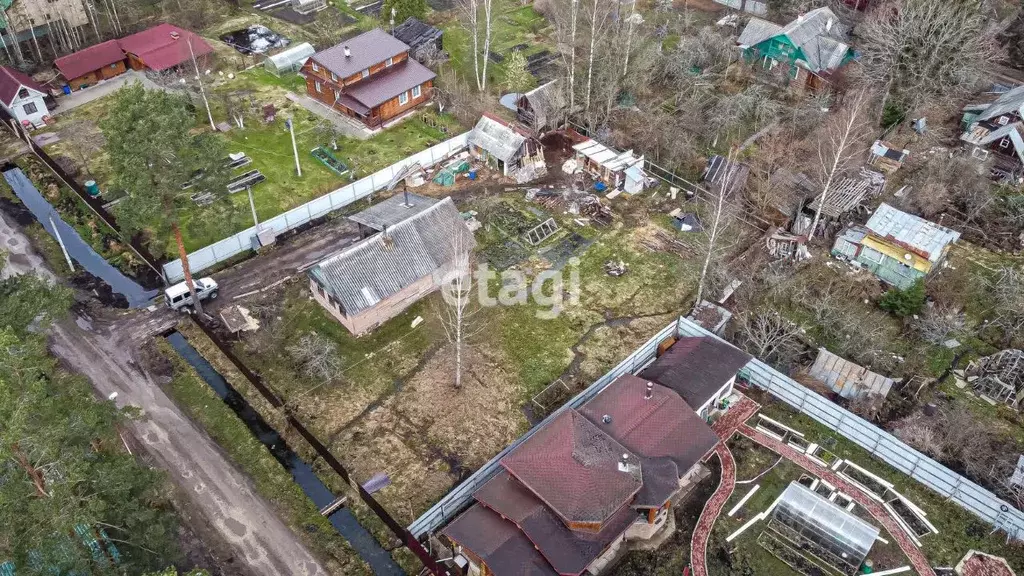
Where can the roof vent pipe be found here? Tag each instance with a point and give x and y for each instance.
(607, 419)
(624, 463)
(348, 52)
(829, 24)
(650, 391)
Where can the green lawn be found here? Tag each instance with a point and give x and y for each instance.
(513, 25)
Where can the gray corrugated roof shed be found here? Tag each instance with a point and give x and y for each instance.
(378, 267)
(497, 139)
(847, 379)
(912, 231)
(366, 49)
(393, 210)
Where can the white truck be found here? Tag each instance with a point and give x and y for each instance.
(179, 298)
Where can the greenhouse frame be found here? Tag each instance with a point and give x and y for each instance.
(831, 533)
(289, 60)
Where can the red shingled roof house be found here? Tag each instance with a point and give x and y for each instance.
(369, 77)
(592, 479)
(159, 48)
(87, 67)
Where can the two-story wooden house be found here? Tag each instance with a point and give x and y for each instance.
(370, 78)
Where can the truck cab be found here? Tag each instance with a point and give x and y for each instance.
(179, 298)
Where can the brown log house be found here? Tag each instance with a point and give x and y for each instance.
(370, 78)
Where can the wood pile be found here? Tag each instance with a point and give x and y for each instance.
(663, 241)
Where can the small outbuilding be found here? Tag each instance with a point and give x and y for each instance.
(22, 97)
(619, 170)
(538, 108)
(847, 379)
(504, 146)
(289, 61)
(420, 36)
(720, 172)
(92, 65)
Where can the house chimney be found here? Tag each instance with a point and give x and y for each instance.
(650, 391)
(828, 25)
(800, 17)
(624, 463)
(607, 419)
(348, 53)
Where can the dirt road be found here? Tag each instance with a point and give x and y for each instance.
(247, 523)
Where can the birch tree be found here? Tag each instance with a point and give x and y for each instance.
(918, 51)
(457, 290)
(841, 140)
(477, 13)
(715, 228)
(598, 15)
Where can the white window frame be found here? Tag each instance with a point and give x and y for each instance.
(417, 92)
(316, 68)
(316, 86)
(1004, 143)
(403, 98)
(337, 94)
(334, 76)
(389, 62)
(35, 109)
(365, 73)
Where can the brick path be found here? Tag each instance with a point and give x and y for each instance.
(917, 558)
(734, 417)
(713, 507)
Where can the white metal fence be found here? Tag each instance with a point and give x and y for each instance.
(881, 444)
(965, 493)
(456, 500)
(319, 207)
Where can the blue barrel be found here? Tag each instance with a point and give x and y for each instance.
(472, 174)
(600, 186)
(66, 89)
(92, 188)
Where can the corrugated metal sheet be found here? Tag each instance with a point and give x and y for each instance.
(382, 265)
(911, 231)
(847, 379)
(1010, 102)
(389, 212)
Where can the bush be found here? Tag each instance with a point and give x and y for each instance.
(904, 303)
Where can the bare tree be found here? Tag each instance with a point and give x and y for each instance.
(720, 216)
(470, 11)
(598, 16)
(842, 139)
(316, 356)
(457, 291)
(768, 335)
(939, 324)
(1006, 290)
(766, 186)
(922, 50)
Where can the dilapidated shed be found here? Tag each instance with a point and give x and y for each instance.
(623, 170)
(1001, 377)
(503, 145)
(847, 379)
(720, 173)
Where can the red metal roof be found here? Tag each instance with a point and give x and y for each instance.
(90, 59)
(502, 546)
(573, 467)
(164, 46)
(11, 81)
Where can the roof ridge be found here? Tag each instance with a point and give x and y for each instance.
(370, 240)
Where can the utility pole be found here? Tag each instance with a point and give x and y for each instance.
(56, 234)
(199, 78)
(252, 205)
(295, 149)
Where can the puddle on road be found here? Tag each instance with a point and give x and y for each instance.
(105, 279)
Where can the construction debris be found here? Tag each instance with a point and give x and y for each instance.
(662, 241)
(615, 268)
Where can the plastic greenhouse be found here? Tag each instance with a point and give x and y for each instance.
(809, 521)
(289, 60)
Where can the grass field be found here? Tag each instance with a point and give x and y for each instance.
(270, 147)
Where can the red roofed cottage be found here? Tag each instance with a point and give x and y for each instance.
(162, 47)
(22, 97)
(91, 65)
(370, 78)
